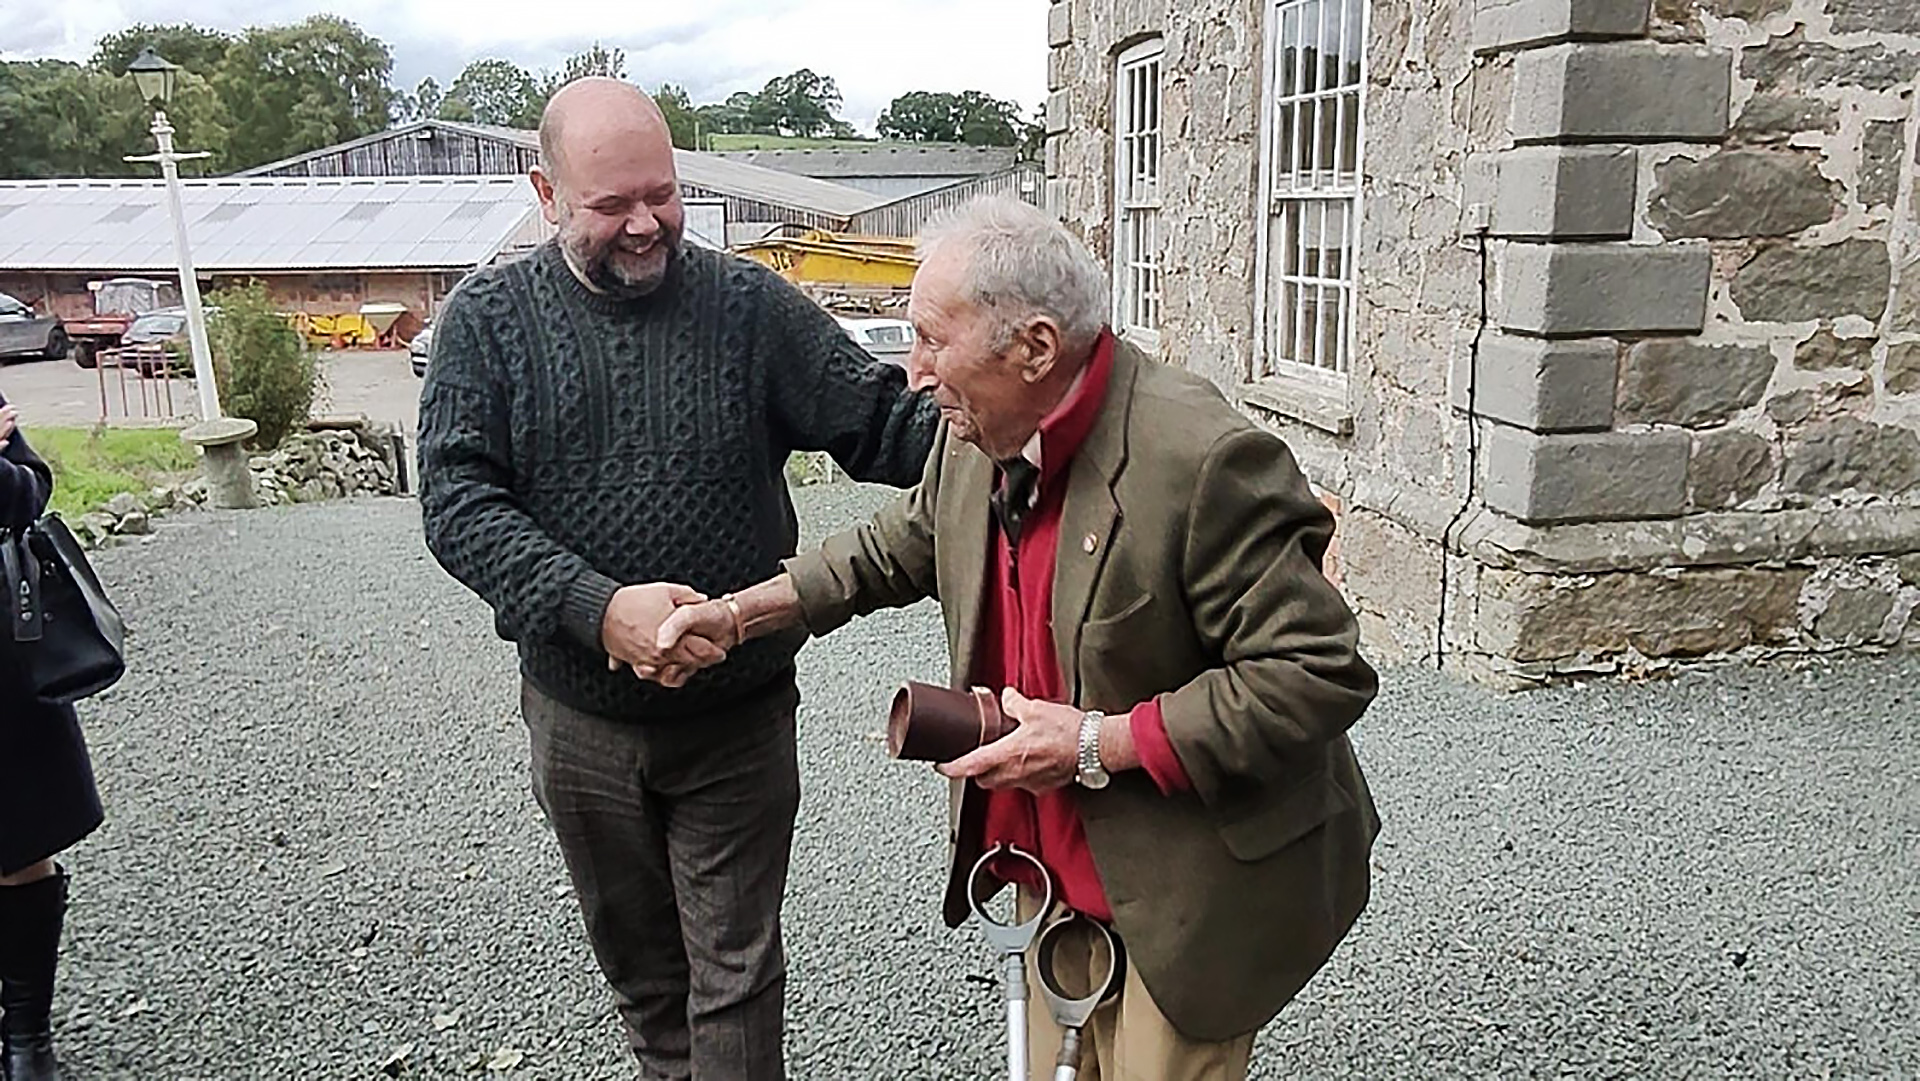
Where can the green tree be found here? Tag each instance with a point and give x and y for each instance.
(195, 48)
(803, 103)
(291, 89)
(494, 91)
(682, 121)
(920, 117)
(63, 120)
(597, 59)
(424, 103)
(969, 117)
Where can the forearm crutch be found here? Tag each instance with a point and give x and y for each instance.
(1070, 1013)
(1012, 940)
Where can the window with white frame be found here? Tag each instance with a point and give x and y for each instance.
(1316, 75)
(1136, 225)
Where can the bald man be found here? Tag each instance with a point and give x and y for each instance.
(604, 417)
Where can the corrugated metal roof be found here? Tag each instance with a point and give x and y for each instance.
(934, 159)
(261, 224)
(736, 179)
(741, 180)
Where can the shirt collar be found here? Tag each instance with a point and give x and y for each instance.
(1063, 431)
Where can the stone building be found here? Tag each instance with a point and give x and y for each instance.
(1596, 321)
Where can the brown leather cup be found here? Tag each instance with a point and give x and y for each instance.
(937, 724)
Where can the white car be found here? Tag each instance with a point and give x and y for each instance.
(887, 339)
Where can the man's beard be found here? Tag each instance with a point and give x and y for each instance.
(597, 265)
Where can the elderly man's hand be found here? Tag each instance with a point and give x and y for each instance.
(630, 632)
(8, 416)
(685, 638)
(1041, 755)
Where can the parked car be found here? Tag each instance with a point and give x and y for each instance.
(27, 333)
(420, 348)
(887, 339)
(156, 343)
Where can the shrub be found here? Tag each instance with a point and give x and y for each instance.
(266, 371)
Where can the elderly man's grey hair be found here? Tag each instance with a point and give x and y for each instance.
(1022, 264)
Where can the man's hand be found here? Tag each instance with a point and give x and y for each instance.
(630, 631)
(8, 416)
(690, 627)
(1041, 755)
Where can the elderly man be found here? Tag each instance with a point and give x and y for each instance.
(1138, 568)
(609, 415)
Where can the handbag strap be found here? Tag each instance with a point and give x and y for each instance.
(24, 610)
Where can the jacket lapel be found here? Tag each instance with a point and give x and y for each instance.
(961, 528)
(1090, 514)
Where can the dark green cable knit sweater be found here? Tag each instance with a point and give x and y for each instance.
(572, 443)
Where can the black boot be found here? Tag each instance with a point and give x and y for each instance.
(30, 918)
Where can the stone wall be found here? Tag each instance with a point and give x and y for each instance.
(1638, 370)
(1696, 429)
(338, 459)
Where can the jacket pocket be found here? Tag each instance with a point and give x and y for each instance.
(1281, 822)
(1106, 633)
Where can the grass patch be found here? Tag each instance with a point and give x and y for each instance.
(92, 465)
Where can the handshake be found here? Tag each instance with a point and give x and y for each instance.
(667, 632)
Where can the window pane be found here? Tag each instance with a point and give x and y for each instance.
(1350, 136)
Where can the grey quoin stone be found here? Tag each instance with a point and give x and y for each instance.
(1569, 290)
(1830, 456)
(1774, 118)
(1543, 386)
(1566, 192)
(1621, 91)
(1883, 150)
(1600, 475)
(1728, 468)
(1741, 193)
(1687, 383)
(1060, 24)
(1787, 283)
(1532, 22)
(1824, 352)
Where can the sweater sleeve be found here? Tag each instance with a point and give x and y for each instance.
(829, 394)
(25, 482)
(475, 524)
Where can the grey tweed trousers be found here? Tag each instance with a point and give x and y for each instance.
(676, 835)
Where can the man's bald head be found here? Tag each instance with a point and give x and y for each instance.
(590, 111)
(607, 180)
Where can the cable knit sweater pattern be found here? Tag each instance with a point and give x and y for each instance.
(571, 443)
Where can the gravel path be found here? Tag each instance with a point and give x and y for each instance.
(320, 847)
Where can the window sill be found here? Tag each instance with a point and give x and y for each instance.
(1313, 404)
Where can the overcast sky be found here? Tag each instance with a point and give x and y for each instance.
(874, 49)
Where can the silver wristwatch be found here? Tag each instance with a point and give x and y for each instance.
(1092, 773)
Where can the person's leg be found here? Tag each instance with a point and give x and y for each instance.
(733, 786)
(1138, 1043)
(589, 777)
(33, 905)
(1127, 1039)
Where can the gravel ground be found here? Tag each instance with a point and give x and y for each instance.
(320, 847)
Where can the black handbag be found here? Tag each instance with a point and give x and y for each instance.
(67, 637)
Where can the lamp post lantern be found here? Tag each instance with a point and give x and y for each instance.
(219, 437)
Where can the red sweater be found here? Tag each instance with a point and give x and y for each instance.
(1016, 650)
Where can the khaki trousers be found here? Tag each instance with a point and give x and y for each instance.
(1128, 1039)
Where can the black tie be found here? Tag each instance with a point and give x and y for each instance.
(1014, 497)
